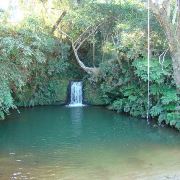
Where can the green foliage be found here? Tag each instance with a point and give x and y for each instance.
(6, 100)
(125, 89)
(35, 66)
(92, 93)
(158, 73)
(32, 66)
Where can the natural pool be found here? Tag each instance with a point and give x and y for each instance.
(85, 143)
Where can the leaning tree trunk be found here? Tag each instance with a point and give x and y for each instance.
(90, 70)
(78, 43)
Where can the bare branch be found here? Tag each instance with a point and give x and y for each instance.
(80, 44)
(58, 21)
(62, 32)
(78, 39)
(162, 58)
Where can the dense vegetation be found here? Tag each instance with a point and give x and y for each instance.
(32, 66)
(38, 58)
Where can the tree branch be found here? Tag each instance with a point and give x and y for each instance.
(58, 21)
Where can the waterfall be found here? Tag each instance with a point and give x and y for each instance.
(76, 94)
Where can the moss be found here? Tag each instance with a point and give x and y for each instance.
(61, 91)
(93, 94)
(54, 92)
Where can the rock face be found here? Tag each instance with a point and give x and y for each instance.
(93, 94)
(62, 95)
(56, 96)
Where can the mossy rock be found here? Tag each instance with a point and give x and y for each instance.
(61, 91)
(55, 93)
(93, 94)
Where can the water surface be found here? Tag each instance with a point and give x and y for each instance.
(85, 143)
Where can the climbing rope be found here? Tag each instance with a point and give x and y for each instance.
(148, 63)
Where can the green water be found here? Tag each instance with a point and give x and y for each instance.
(83, 143)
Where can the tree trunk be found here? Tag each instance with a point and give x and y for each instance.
(176, 68)
(93, 71)
(171, 26)
(78, 43)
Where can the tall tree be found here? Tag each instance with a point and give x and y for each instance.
(167, 13)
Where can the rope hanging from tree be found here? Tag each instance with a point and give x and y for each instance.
(148, 63)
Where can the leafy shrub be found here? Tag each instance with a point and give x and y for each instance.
(32, 64)
(125, 89)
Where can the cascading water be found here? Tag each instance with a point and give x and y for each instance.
(76, 94)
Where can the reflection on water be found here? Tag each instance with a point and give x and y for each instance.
(85, 143)
(76, 118)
